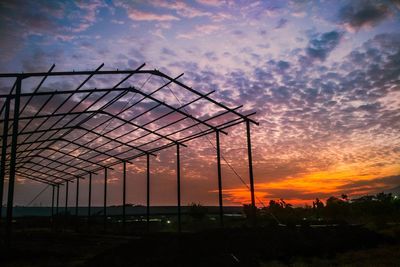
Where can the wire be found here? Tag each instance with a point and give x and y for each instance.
(126, 104)
(211, 143)
(41, 192)
(227, 163)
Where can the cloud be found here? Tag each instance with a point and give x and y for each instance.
(283, 65)
(363, 15)
(41, 60)
(302, 195)
(213, 3)
(138, 15)
(319, 118)
(200, 30)
(115, 21)
(88, 13)
(321, 45)
(181, 8)
(371, 186)
(211, 56)
(281, 23)
(49, 22)
(168, 52)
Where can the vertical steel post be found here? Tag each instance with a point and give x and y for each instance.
(124, 196)
(77, 197)
(4, 152)
(148, 193)
(105, 197)
(13, 158)
(77, 205)
(66, 197)
(90, 196)
(221, 209)
(52, 202)
(178, 185)
(58, 198)
(251, 176)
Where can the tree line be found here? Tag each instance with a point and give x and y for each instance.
(378, 209)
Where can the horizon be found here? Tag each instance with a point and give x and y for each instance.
(393, 191)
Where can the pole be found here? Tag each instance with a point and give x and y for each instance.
(124, 196)
(77, 197)
(58, 198)
(11, 179)
(148, 193)
(76, 205)
(90, 196)
(251, 176)
(52, 202)
(66, 198)
(4, 152)
(105, 197)
(221, 209)
(178, 180)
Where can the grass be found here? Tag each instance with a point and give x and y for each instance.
(238, 246)
(384, 255)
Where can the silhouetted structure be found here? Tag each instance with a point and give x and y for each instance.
(40, 141)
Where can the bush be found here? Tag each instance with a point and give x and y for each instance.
(197, 211)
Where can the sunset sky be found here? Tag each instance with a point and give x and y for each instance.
(323, 77)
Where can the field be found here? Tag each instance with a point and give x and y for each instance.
(234, 246)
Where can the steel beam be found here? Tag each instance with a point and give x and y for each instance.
(37, 88)
(105, 198)
(65, 100)
(178, 185)
(78, 73)
(53, 169)
(63, 155)
(4, 152)
(135, 117)
(90, 196)
(124, 195)
(185, 139)
(221, 208)
(92, 104)
(58, 198)
(52, 202)
(148, 192)
(155, 120)
(64, 167)
(112, 139)
(35, 91)
(42, 173)
(35, 178)
(172, 108)
(251, 175)
(55, 161)
(91, 149)
(77, 198)
(66, 198)
(87, 118)
(208, 131)
(158, 73)
(167, 125)
(45, 116)
(14, 143)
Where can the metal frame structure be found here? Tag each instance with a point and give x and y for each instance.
(68, 142)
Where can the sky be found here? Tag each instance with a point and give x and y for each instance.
(323, 77)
